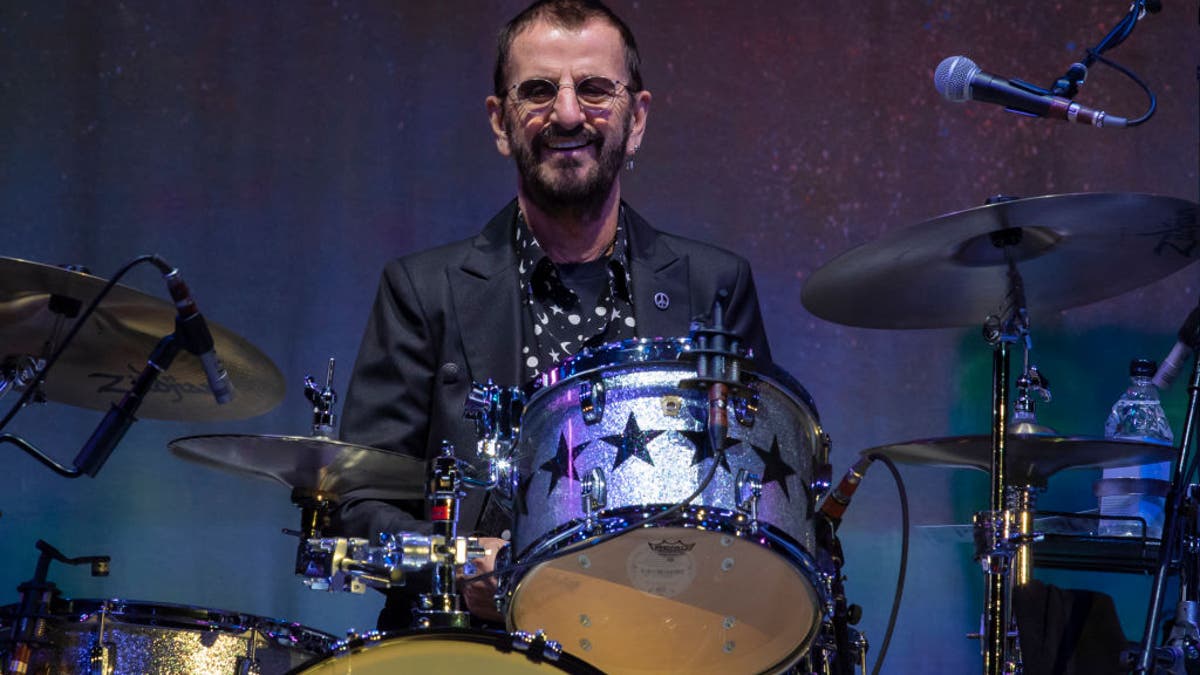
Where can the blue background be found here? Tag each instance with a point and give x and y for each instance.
(280, 153)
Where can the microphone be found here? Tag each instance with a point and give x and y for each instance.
(196, 338)
(1169, 370)
(958, 79)
(835, 504)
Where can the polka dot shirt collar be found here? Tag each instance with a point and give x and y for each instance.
(557, 326)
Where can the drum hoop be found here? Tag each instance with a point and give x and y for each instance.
(645, 351)
(191, 617)
(500, 640)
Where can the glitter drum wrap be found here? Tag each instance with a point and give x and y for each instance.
(443, 650)
(164, 639)
(701, 591)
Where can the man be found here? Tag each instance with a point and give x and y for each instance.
(566, 264)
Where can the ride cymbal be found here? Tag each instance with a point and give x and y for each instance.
(39, 304)
(1070, 250)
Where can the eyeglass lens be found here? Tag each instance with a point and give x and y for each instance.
(592, 91)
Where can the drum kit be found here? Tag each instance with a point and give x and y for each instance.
(651, 530)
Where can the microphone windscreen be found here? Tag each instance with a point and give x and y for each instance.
(953, 76)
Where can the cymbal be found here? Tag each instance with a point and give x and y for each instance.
(1030, 459)
(309, 463)
(946, 272)
(38, 305)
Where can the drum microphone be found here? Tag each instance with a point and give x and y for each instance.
(958, 79)
(1169, 370)
(835, 504)
(193, 331)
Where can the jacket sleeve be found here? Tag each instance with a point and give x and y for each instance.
(388, 400)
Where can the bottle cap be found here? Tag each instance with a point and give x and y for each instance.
(1143, 367)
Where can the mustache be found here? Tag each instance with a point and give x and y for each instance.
(557, 132)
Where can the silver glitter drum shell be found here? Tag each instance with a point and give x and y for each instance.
(702, 591)
(165, 639)
(445, 651)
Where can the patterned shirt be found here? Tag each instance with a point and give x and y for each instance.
(557, 324)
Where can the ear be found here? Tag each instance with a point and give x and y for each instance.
(495, 108)
(641, 110)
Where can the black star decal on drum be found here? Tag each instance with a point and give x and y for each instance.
(563, 462)
(699, 440)
(632, 443)
(775, 470)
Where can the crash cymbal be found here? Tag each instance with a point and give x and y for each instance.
(947, 271)
(38, 305)
(309, 463)
(1030, 459)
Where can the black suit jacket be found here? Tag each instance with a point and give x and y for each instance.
(452, 315)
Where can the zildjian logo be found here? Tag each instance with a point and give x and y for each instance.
(165, 385)
(670, 549)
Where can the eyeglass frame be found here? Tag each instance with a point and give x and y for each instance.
(512, 90)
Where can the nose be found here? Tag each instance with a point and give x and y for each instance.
(566, 111)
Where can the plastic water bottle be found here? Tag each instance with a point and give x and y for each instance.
(1136, 490)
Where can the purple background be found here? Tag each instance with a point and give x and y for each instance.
(281, 153)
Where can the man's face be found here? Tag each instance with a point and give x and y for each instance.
(568, 155)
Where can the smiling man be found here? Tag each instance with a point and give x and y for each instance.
(565, 265)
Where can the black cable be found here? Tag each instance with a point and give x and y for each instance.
(902, 572)
(1131, 75)
(66, 342)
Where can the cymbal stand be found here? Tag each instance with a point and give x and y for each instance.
(1175, 545)
(440, 607)
(352, 564)
(29, 625)
(996, 537)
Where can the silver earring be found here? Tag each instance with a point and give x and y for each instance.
(629, 161)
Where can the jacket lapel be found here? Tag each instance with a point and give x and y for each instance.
(660, 277)
(487, 303)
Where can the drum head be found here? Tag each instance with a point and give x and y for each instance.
(440, 652)
(672, 599)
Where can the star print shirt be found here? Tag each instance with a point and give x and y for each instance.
(568, 307)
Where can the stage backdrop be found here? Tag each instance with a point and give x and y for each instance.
(280, 153)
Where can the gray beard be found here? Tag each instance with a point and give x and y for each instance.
(569, 197)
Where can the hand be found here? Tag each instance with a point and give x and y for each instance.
(481, 595)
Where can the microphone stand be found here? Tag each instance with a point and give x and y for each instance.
(116, 423)
(1173, 535)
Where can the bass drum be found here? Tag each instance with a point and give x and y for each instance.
(148, 637)
(446, 652)
(728, 584)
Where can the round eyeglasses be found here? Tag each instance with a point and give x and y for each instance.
(594, 93)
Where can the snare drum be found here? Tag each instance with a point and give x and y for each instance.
(447, 652)
(146, 637)
(729, 583)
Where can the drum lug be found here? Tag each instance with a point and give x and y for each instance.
(248, 665)
(593, 495)
(591, 400)
(821, 481)
(747, 488)
(745, 404)
(537, 646)
(101, 657)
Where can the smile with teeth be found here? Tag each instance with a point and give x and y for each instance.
(566, 143)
